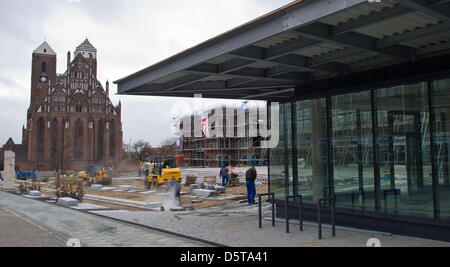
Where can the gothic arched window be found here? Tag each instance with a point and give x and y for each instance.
(101, 140)
(40, 139)
(78, 140)
(112, 140)
(44, 67)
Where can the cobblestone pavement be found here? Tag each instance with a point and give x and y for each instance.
(91, 230)
(236, 225)
(18, 232)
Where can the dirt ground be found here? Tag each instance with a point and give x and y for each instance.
(160, 196)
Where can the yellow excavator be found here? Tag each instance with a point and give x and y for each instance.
(161, 170)
(96, 174)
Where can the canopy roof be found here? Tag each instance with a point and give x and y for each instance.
(304, 41)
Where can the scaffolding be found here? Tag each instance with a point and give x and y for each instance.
(216, 151)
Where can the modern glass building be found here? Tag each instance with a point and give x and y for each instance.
(364, 93)
(382, 152)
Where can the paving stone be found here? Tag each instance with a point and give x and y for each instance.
(221, 189)
(147, 192)
(41, 197)
(108, 189)
(96, 187)
(126, 188)
(91, 230)
(203, 192)
(195, 186)
(35, 193)
(154, 205)
(211, 187)
(88, 206)
(67, 201)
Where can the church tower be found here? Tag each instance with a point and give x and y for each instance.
(43, 73)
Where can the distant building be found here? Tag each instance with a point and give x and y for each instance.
(71, 122)
(214, 151)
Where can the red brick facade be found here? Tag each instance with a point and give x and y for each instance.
(71, 122)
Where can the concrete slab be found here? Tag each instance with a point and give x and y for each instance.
(211, 187)
(41, 197)
(88, 206)
(108, 189)
(97, 187)
(35, 193)
(127, 188)
(154, 205)
(67, 202)
(195, 186)
(203, 192)
(221, 189)
(148, 192)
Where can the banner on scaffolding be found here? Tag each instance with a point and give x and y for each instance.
(205, 122)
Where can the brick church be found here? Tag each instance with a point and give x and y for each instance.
(71, 121)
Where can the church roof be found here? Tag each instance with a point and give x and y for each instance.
(45, 49)
(86, 46)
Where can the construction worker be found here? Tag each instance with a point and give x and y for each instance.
(250, 178)
(174, 188)
(225, 177)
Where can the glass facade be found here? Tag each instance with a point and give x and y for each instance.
(383, 150)
(311, 143)
(440, 103)
(277, 161)
(353, 150)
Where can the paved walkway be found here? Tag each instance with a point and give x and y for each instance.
(18, 232)
(237, 225)
(91, 230)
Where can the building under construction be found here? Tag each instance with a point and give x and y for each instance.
(203, 149)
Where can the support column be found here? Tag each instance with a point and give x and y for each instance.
(318, 115)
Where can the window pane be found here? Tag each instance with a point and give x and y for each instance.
(312, 149)
(353, 150)
(404, 150)
(441, 138)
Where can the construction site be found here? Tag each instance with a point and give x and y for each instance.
(203, 149)
(100, 189)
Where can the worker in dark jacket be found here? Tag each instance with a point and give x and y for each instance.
(250, 177)
(174, 189)
(225, 176)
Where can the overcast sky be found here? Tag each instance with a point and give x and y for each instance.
(128, 34)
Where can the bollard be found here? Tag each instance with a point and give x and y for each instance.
(300, 211)
(333, 215)
(272, 195)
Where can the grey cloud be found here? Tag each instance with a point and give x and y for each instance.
(129, 35)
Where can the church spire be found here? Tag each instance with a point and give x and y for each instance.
(86, 49)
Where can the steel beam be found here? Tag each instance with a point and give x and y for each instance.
(404, 37)
(370, 19)
(258, 74)
(352, 40)
(426, 7)
(294, 16)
